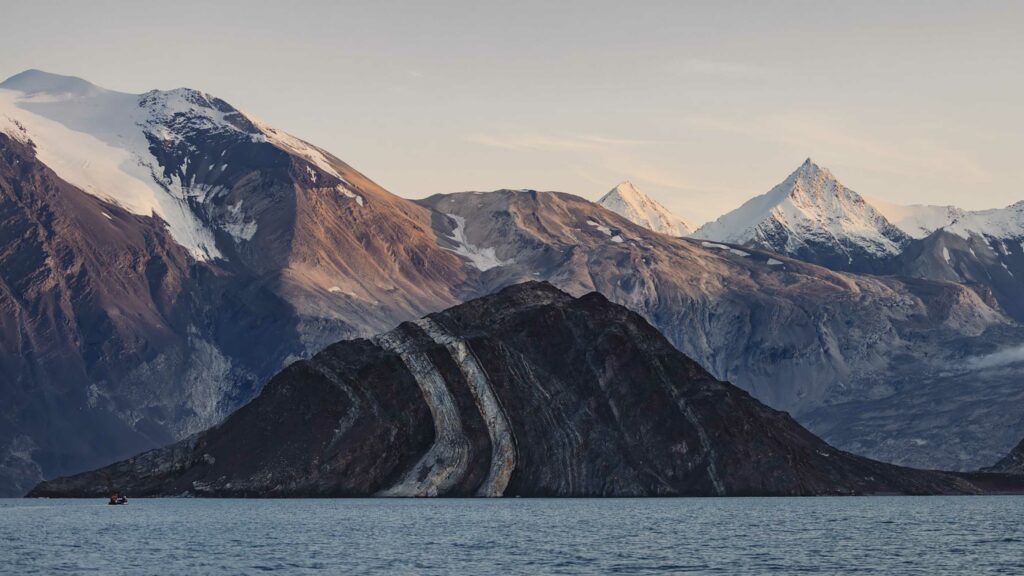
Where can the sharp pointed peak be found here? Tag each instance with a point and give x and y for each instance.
(626, 186)
(810, 165)
(810, 169)
(625, 190)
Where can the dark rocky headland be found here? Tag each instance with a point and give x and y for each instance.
(527, 392)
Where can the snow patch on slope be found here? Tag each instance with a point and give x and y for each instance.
(289, 143)
(612, 234)
(236, 225)
(481, 258)
(95, 139)
(349, 194)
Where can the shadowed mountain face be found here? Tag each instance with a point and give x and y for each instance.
(527, 392)
(1012, 463)
(88, 293)
(993, 265)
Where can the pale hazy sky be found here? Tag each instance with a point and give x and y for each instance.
(701, 104)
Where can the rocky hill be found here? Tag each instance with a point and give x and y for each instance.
(528, 392)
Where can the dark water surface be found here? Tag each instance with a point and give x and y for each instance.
(934, 535)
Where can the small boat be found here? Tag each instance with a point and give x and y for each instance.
(117, 499)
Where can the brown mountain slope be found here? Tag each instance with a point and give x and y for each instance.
(114, 338)
(88, 292)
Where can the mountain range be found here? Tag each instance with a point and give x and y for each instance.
(813, 217)
(163, 255)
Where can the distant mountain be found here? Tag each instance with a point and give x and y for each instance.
(983, 248)
(800, 337)
(163, 254)
(813, 217)
(528, 392)
(917, 220)
(628, 201)
(920, 221)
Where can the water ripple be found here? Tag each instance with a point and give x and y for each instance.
(899, 536)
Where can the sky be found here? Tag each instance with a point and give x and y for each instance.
(700, 104)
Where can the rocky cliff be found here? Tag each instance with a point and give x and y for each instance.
(1012, 463)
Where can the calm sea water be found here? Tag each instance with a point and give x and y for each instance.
(967, 535)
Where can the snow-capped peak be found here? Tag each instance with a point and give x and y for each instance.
(917, 220)
(37, 83)
(1003, 223)
(106, 143)
(920, 221)
(100, 141)
(809, 214)
(629, 202)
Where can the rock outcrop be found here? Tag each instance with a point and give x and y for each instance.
(528, 392)
(1012, 463)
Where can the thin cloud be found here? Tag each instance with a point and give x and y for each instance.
(722, 69)
(823, 134)
(555, 143)
(998, 359)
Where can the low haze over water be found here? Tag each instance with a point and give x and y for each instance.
(926, 535)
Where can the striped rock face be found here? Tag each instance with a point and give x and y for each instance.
(525, 392)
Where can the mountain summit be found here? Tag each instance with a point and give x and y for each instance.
(812, 216)
(34, 82)
(628, 201)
